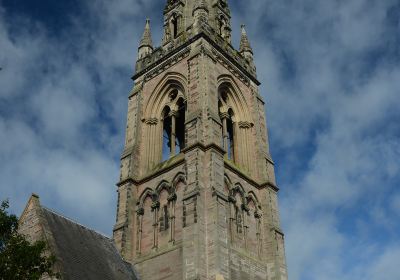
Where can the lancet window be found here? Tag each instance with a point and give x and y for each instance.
(164, 218)
(173, 129)
(237, 128)
(228, 135)
(174, 25)
(245, 220)
(159, 216)
(164, 129)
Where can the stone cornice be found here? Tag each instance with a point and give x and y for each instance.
(271, 186)
(179, 160)
(203, 35)
(278, 230)
(204, 148)
(231, 166)
(157, 252)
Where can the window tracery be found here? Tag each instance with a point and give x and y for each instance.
(164, 116)
(237, 127)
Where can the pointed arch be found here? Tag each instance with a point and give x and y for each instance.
(251, 196)
(163, 114)
(163, 185)
(228, 184)
(180, 177)
(147, 193)
(238, 189)
(228, 181)
(237, 102)
(159, 98)
(237, 124)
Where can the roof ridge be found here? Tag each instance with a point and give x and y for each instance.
(75, 222)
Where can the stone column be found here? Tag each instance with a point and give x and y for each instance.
(172, 114)
(224, 116)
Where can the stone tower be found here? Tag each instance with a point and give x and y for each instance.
(197, 197)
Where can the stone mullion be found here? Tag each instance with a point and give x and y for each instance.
(155, 208)
(173, 133)
(139, 232)
(149, 141)
(231, 220)
(242, 161)
(159, 142)
(258, 233)
(245, 228)
(152, 147)
(146, 144)
(172, 205)
(161, 139)
(247, 150)
(250, 149)
(225, 134)
(224, 116)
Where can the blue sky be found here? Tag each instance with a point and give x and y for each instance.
(330, 75)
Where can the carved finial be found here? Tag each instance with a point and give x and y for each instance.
(200, 5)
(244, 42)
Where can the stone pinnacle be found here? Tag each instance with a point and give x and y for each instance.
(146, 40)
(244, 41)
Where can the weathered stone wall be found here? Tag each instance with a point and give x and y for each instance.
(222, 215)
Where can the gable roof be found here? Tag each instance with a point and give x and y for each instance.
(84, 253)
(81, 253)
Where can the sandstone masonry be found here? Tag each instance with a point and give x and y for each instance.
(197, 197)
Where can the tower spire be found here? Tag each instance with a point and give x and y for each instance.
(146, 43)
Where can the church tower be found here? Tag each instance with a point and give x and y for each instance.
(197, 197)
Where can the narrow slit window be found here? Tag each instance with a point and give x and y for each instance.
(174, 23)
(164, 219)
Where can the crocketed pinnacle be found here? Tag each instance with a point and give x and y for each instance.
(146, 38)
(244, 42)
(200, 4)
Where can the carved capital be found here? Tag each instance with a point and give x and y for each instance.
(224, 115)
(245, 125)
(151, 121)
(140, 211)
(173, 113)
(172, 197)
(155, 205)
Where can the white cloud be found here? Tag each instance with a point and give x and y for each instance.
(386, 266)
(333, 111)
(332, 108)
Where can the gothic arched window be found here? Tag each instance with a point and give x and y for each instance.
(228, 133)
(174, 25)
(173, 126)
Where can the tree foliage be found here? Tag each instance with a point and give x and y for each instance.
(20, 259)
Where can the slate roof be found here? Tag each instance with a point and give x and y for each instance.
(83, 253)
